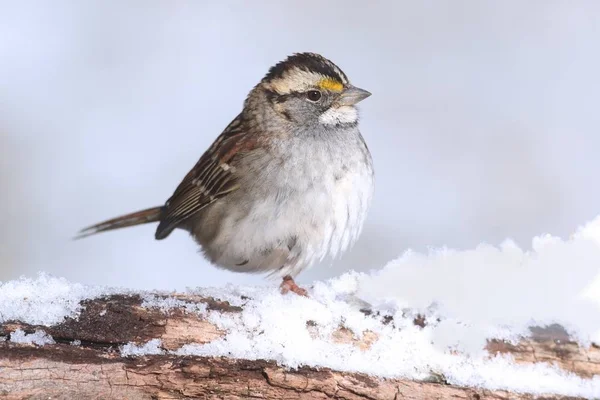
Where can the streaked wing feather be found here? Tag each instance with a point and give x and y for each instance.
(211, 178)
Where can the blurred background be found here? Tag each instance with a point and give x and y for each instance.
(483, 122)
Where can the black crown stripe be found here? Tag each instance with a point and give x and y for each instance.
(309, 62)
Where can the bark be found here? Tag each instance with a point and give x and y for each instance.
(95, 369)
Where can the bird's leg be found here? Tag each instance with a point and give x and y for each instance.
(288, 285)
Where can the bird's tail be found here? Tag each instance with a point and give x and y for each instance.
(136, 218)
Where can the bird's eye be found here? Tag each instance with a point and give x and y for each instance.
(313, 95)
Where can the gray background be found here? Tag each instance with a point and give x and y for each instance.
(483, 122)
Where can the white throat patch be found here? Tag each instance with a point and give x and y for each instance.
(339, 115)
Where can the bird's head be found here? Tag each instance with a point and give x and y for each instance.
(308, 89)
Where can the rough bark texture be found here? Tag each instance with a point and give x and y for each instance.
(95, 369)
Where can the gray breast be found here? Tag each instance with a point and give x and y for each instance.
(297, 204)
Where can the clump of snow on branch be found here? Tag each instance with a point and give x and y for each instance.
(165, 304)
(149, 348)
(489, 288)
(275, 327)
(463, 299)
(46, 300)
(39, 337)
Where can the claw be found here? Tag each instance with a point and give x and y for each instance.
(288, 285)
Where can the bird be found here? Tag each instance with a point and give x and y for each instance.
(287, 183)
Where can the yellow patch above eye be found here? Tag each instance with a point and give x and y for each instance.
(330, 84)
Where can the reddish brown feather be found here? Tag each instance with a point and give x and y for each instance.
(208, 180)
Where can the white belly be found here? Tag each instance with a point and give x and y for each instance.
(309, 209)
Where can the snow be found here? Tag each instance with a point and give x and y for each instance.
(464, 296)
(46, 300)
(168, 303)
(493, 287)
(149, 348)
(274, 327)
(39, 337)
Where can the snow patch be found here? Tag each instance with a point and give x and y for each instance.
(149, 348)
(500, 291)
(274, 327)
(165, 304)
(39, 337)
(46, 300)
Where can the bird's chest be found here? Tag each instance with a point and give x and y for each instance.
(318, 192)
(313, 174)
(294, 206)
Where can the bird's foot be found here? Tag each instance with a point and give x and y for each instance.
(288, 285)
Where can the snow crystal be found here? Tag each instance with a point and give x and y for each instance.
(39, 337)
(148, 348)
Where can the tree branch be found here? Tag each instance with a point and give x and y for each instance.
(95, 368)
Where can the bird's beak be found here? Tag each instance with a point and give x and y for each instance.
(352, 95)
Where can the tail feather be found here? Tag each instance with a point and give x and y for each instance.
(136, 218)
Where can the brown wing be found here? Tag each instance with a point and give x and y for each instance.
(212, 177)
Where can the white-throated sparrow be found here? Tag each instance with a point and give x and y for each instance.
(288, 182)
